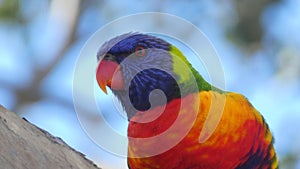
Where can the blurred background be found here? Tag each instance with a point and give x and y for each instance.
(258, 43)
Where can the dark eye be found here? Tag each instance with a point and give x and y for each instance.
(140, 51)
(109, 56)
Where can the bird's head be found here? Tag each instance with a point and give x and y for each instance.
(133, 65)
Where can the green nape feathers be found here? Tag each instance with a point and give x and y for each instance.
(187, 75)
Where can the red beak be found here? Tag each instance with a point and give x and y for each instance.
(109, 74)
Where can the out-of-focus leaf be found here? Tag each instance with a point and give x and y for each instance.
(10, 10)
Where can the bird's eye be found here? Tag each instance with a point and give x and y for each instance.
(140, 51)
(109, 56)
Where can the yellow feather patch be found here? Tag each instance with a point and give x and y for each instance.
(180, 63)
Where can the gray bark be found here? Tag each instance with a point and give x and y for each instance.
(23, 145)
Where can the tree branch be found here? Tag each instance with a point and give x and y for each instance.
(24, 145)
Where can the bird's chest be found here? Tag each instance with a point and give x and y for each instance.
(163, 153)
(171, 139)
(168, 140)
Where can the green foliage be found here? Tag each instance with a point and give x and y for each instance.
(10, 10)
(289, 161)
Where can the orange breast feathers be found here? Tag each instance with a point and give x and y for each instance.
(205, 130)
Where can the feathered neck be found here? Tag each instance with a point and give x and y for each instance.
(177, 80)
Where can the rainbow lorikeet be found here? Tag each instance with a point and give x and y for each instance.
(174, 114)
